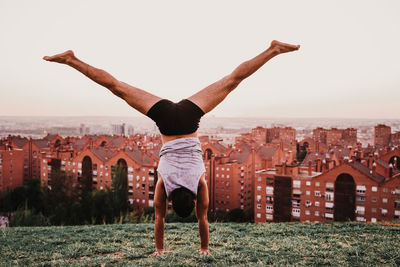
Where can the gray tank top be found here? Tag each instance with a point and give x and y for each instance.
(181, 164)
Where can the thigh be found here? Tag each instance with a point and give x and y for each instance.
(137, 98)
(208, 98)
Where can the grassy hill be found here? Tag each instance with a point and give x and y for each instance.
(230, 244)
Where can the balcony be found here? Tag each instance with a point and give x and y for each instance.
(329, 216)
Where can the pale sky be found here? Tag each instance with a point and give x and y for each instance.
(348, 65)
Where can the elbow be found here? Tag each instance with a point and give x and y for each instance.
(202, 220)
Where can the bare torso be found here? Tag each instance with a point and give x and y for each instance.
(166, 138)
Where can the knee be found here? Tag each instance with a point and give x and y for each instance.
(233, 81)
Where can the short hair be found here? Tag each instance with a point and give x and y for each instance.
(182, 201)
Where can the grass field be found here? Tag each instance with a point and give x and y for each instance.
(230, 244)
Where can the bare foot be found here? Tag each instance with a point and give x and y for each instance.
(283, 47)
(159, 253)
(204, 251)
(61, 58)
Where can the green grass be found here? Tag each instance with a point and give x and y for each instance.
(230, 244)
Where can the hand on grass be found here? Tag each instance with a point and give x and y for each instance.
(204, 251)
(159, 252)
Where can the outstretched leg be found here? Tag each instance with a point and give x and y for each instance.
(208, 98)
(135, 97)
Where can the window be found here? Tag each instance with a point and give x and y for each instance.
(373, 210)
(270, 181)
(296, 212)
(384, 212)
(307, 212)
(317, 203)
(329, 196)
(373, 199)
(329, 216)
(296, 184)
(259, 179)
(307, 193)
(269, 209)
(317, 184)
(259, 188)
(384, 200)
(397, 214)
(317, 193)
(384, 190)
(217, 168)
(227, 176)
(308, 183)
(258, 215)
(360, 189)
(227, 169)
(316, 213)
(374, 189)
(360, 210)
(258, 206)
(360, 199)
(296, 202)
(270, 190)
(329, 186)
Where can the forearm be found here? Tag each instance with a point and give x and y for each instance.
(204, 234)
(159, 233)
(97, 75)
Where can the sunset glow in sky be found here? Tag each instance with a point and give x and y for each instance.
(348, 65)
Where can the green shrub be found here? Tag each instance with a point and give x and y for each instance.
(28, 218)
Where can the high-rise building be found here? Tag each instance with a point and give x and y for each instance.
(382, 134)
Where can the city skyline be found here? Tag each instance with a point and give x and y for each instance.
(344, 68)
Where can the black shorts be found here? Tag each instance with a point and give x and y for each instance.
(176, 118)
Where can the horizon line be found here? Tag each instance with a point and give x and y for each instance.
(209, 116)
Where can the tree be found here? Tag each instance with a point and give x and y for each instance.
(119, 190)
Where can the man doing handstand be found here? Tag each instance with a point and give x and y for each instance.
(181, 168)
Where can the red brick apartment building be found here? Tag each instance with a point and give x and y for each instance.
(350, 191)
(11, 168)
(97, 159)
(91, 156)
(230, 172)
(249, 175)
(383, 136)
(333, 136)
(261, 135)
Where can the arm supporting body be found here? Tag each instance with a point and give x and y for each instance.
(201, 213)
